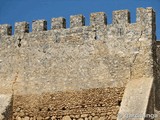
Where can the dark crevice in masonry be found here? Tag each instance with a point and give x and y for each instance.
(135, 57)
(119, 102)
(19, 42)
(20, 39)
(95, 37)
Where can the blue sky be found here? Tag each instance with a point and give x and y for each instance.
(12, 11)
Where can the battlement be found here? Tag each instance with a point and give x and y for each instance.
(120, 17)
(82, 70)
(119, 39)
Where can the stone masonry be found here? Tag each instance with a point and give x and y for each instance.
(94, 72)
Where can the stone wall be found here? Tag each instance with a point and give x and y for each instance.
(157, 82)
(89, 104)
(81, 57)
(83, 68)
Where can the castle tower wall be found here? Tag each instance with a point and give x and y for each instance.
(81, 59)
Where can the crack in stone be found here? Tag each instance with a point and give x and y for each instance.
(135, 57)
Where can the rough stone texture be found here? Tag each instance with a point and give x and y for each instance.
(157, 82)
(79, 58)
(98, 18)
(121, 17)
(39, 25)
(6, 102)
(77, 21)
(142, 90)
(76, 58)
(21, 27)
(58, 23)
(100, 103)
(5, 29)
(158, 114)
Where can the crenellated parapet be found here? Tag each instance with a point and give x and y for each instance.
(120, 18)
(58, 23)
(39, 25)
(5, 29)
(60, 71)
(77, 21)
(119, 40)
(145, 16)
(21, 27)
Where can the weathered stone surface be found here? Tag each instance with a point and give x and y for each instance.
(45, 66)
(114, 118)
(5, 29)
(137, 93)
(66, 118)
(80, 119)
(76, 58)
(77, 21)
(87, 102)
(21, 27)
(157, 82)
(95, 118)
(26, 118)
(58, 23)
(6, 107)
(39, 25)
(84, 115)
(102, 118)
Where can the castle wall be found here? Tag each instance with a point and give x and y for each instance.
(86, 61)
(90, 104)
(157, 82)
(81, 57)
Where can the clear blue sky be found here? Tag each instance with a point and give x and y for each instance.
(12, 11)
